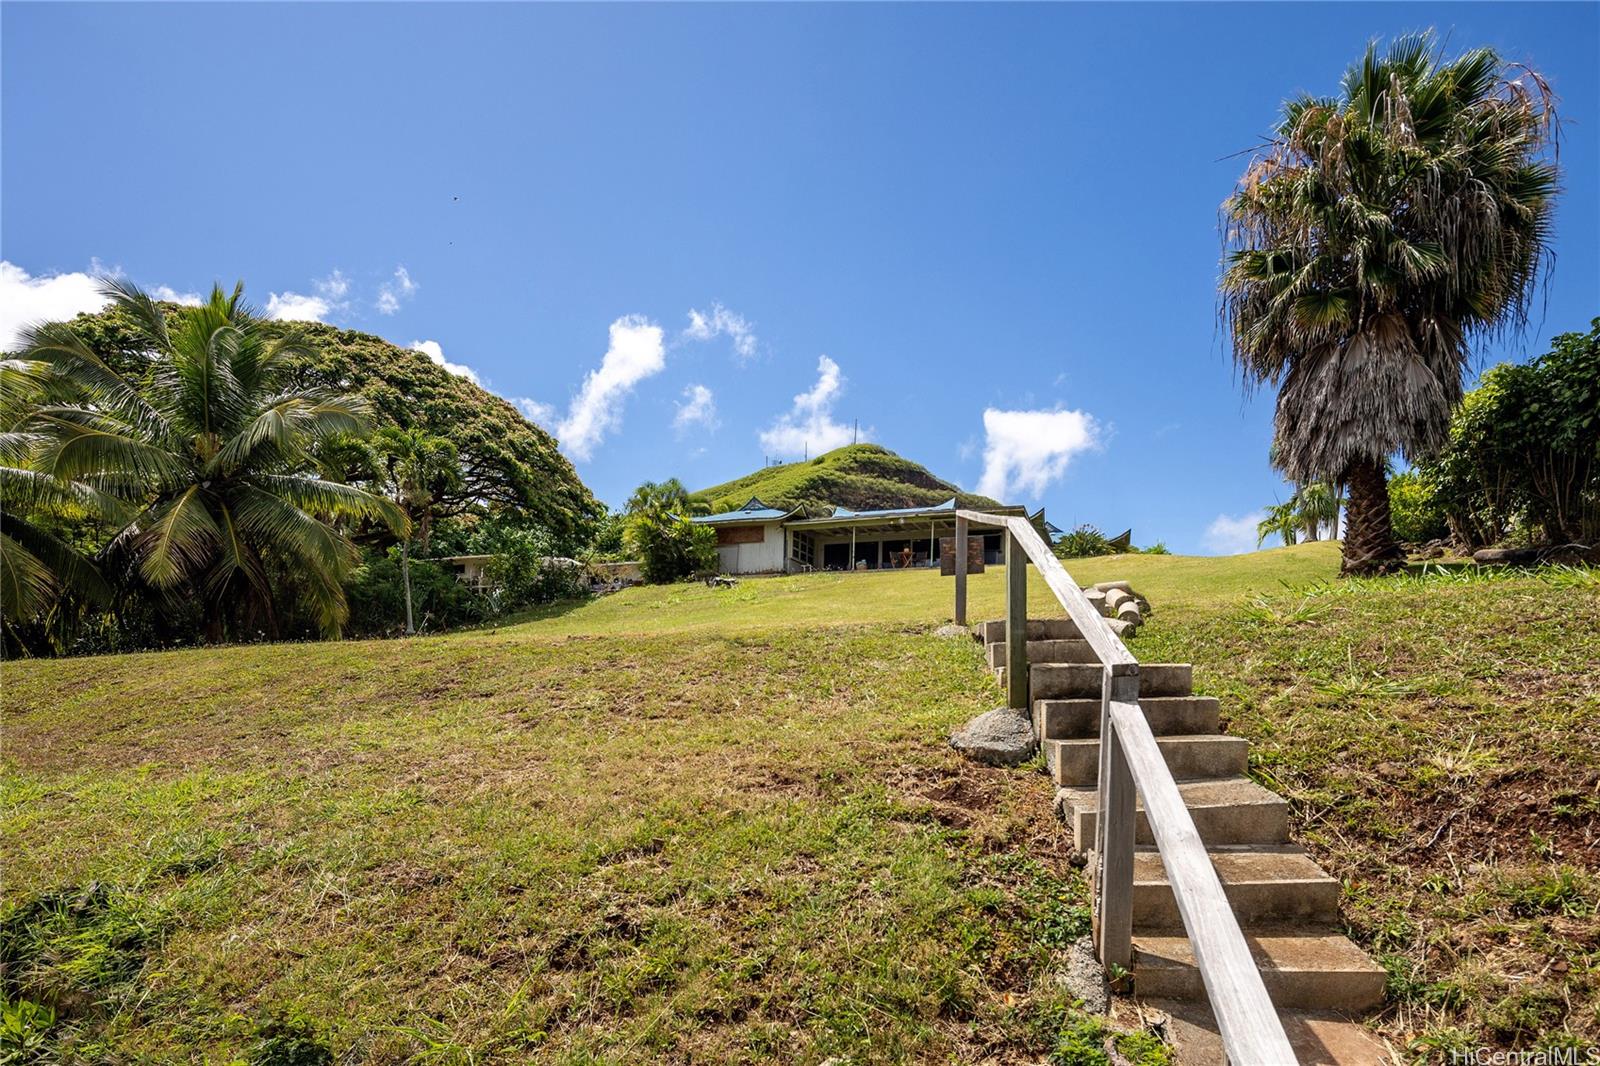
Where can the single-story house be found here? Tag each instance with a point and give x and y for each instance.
(758, 539)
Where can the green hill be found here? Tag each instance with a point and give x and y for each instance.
(506, 460)
(857, 476)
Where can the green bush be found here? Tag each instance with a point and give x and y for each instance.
(1524, 450)
(377, 595)
(1082, 542)
(1416, 514)
(670, 546)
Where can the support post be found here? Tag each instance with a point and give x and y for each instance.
(1114, 833)
(1016, 624)
(961, 571)
(852, 566)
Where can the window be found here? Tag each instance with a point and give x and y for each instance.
(803, 549)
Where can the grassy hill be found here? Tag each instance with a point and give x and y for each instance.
(724, 825)
(857, 476)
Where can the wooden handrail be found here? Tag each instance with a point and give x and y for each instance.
(1252, 1034)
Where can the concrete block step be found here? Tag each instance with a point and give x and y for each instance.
(1052, 681)
(1077, 762)
(1264, 883)
(994, 631)
(1066, 719)
(1232, 810)
(1318, 1037)
(1073, 650)
(1300, 968)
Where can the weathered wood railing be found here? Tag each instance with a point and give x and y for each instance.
(1130, 760)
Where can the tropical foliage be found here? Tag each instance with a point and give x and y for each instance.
(1381, 233)
(507, 464)
(1310, 514)
(207, 455)
(169, 473)
(660, 534)
(1523, 452)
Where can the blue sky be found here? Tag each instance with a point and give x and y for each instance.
(903, 215)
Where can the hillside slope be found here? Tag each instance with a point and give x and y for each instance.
(507, 460)
(857, 476)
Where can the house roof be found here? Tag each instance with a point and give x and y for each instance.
(753, 511)
(845, 516)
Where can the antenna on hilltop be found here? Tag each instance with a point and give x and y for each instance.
(855, 434)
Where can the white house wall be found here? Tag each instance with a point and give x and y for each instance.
(764, 558)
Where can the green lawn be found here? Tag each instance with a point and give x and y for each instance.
(723, 825)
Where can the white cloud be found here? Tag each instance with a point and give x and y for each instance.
(26, 300)
(330, 298)
(1027, 450)
(391, 293)
(723, 322)
(1227, 535)
(435, 351)
(635, 353)
(808, 427)
(294, 306)
(534, 411)
(699, 408)
(171, 295)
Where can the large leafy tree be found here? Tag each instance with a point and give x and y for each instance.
(211, 441)
(1380, 234)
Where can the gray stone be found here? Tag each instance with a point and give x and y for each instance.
(1505, 556)
(1084, 978)
(952, 630)
(1001, 737)
(1121, 627)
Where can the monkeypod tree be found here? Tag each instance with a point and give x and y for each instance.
(1380, 234)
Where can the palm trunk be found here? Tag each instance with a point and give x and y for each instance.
(405, 571)
(1369, 544)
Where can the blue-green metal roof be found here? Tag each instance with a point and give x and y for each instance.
(753, 511)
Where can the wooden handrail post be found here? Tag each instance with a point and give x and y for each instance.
(1016, 624)
(1114, 834)
(961, 571)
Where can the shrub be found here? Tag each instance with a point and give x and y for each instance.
(1416, 515)
(670, 546)
(1524, 449)
(1084, 541)
(377, 595)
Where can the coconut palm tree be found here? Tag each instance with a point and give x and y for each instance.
(1380, 234)
(417, 467)
(1279, 520)
(212, 448)
(36, 565)
(1317, 507)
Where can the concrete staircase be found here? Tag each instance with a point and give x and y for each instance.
(1286, 904)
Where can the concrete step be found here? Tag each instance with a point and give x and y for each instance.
(1077, 762)
(993, 632)
(1318, 1037)
(1300, 968)
(1045, 651)
(1232, 810)
(1067, 719)
(1264, 883)
(1053, 681)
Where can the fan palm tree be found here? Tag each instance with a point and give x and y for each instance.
(212, 448)
(1381, 233)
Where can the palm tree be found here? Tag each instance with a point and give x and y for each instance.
(417, 467)
(1317, 507)
(36, 565)
(1280, 520)
(1381, 233)
(212, 448)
